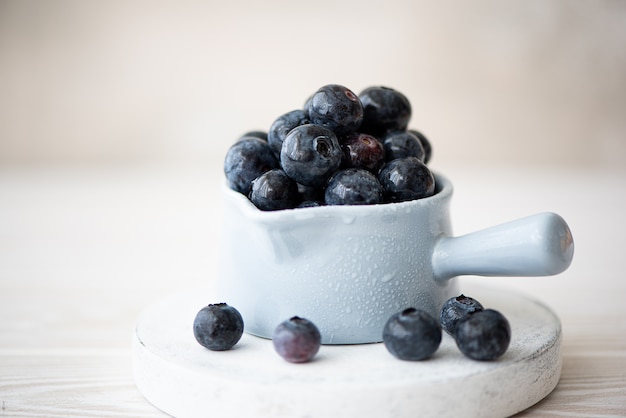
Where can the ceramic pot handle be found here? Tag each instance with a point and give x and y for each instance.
(538, 245)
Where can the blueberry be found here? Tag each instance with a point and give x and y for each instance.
(384, 109)
(246, 160)
(310, 154)
(456, 308)
(297, 340)
(312, 194)
(428, 150)
(483, 335)
(310, 204)
(412, 334)
(353, 186)
(337, 108)
(218, 327)
(362, 151)
(400, 144)
(281, 127)
(406, 179)
(256, 134)
(274, 190)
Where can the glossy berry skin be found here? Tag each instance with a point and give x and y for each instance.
(246, 160)
(483, 335)
(337, 108)
(362, 151)
(412, 334)
(401, 144)
(406, 179)
(456, 308)
(353, 186)
(297, 340)
(274, 190)
(428, 149)
(384, 109)
(310, 154)
(281, 127)
(218, 327)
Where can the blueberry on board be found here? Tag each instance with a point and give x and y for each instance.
(428, 149)
(274, 190)
(400, 144)
(297, 340)
(406, 179)
(335, 107)
(281, 127)
(456, 308)
(246, 160)
(353, 186)
(412, 334)
(361, 150)
(310, 154)
(483, 335)
(384, 109)
(218, 327)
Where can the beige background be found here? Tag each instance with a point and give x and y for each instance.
(115, 117)
(529, 82)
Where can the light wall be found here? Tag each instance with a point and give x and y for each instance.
(520, 82)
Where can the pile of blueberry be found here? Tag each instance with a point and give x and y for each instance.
(412, 334)
(339, 149)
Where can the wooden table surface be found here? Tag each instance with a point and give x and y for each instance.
(84, 249)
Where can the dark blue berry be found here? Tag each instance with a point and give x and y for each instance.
(456, 308)
(297, 340)
(218, 327)
(412, 334)
(310, 154)
(384, 109)
(255, 134)
(246, 160)
(406, 179)
(281, 127)
(337, 108)
(400, 144)
(310, 204)
(483, 335)
(362, 151)
(274, 190)
(311, 194)
(428, 150)
(353, 186)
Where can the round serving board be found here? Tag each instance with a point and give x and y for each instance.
(184, 379)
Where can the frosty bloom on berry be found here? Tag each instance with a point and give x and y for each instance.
(218, 327)
(455, 309)
(483, 335)
(412, 334)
